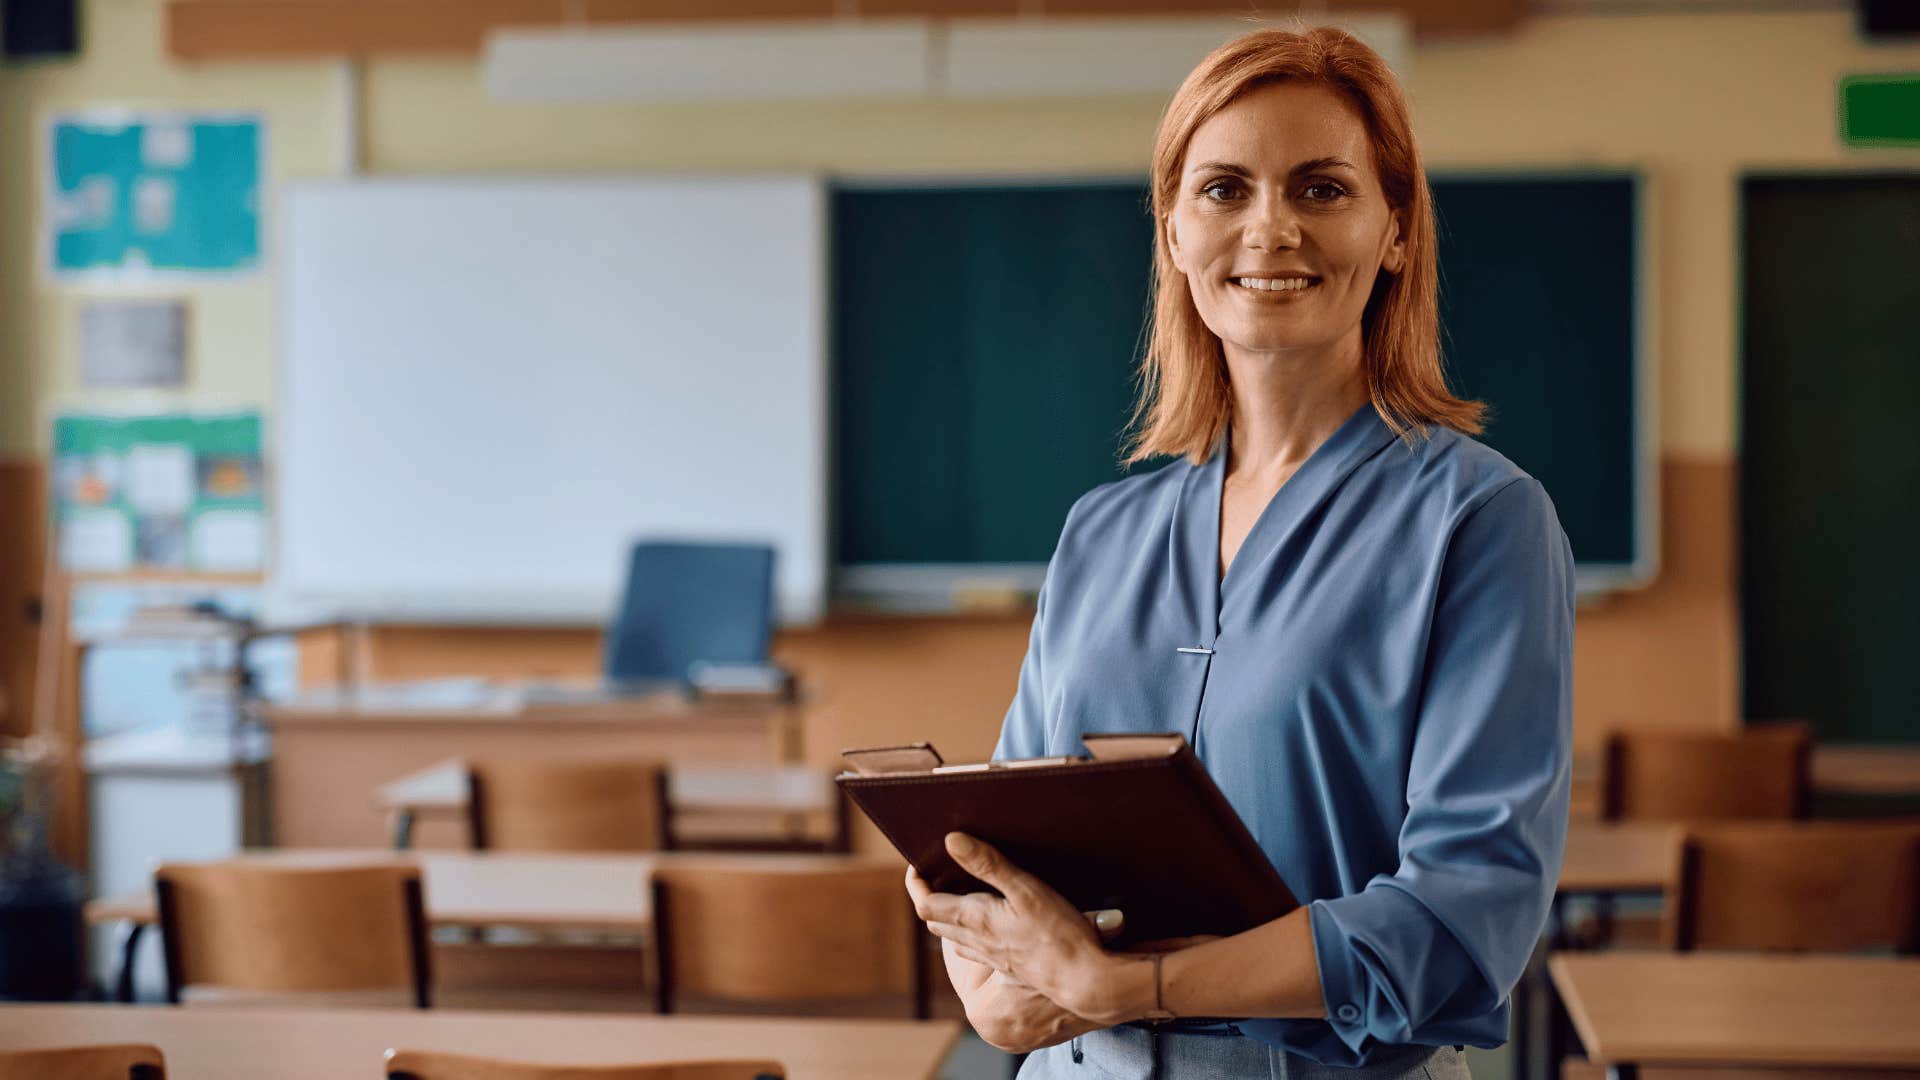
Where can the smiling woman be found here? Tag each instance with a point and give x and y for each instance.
(1359, 617)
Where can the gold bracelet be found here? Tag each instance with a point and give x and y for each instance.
(1159, 1014)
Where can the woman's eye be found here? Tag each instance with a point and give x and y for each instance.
(1218, 191)
(1324, 191)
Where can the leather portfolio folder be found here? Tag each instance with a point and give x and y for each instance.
(1135, 824)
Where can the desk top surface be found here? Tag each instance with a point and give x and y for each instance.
(1742, 1009)
(537, 891)
(325, 1044)
(1622, 857)
(479, 700)
(782, 788)
(609, 891)
(1845, 768)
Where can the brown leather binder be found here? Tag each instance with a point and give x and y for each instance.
(1137, 824)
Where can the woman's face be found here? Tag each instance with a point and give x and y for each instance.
(1280, 225)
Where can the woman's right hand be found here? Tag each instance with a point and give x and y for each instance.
(1009, 1014)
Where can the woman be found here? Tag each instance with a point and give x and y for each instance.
(1360, 618)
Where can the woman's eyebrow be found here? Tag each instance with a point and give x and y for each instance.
(1224, 167)
(1322, 164)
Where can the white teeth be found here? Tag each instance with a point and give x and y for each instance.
(1273, 284)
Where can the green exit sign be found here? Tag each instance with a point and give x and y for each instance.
(1880, 110)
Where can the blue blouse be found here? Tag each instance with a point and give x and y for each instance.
(1381, 685)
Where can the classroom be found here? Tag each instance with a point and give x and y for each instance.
(959, 539)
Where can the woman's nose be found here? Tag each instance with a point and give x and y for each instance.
(1273, 225)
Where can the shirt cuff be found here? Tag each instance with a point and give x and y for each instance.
(1387, 967)
(1343, 981)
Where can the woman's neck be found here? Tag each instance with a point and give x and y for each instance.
(1286, 404)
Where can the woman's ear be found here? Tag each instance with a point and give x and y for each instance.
(1173, 245)
(1395, 256)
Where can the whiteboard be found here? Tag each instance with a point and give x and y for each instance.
(489, 388)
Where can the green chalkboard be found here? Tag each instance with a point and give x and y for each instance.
(986, 340)
(1830, 455)
(984, 345)
(1539, 320)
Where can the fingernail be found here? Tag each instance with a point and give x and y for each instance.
(1109, 919)
(961, 844)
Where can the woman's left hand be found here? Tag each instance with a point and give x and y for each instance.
(1029, 932)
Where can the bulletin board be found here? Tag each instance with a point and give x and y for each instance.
(137, 195)
(159, 492)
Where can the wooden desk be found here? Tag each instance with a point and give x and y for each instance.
(608, 892)
(335, 741)
(1627, 857)
(531, 891)
(542, 893)
(1855, 769)
(1736, 1009)
(787, 794)
(1838, 769)
(231, 1044)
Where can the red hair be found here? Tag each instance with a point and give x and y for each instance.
(1184, 399)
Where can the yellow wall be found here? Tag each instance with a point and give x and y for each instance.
(230, 325)
(1692, 99)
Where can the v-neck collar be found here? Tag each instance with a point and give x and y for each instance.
(1195, 581)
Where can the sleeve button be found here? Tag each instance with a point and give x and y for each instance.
(1348, 1013)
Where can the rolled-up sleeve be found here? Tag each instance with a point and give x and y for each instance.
(1429, 953)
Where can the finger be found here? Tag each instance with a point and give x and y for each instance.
(984, 861)
(917, 890)
(962, 938)
(948, 908)
(1107, 922)
(971, 956)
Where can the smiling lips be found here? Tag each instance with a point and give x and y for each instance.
(1289, 284)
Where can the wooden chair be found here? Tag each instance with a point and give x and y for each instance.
(426, 1065)
(293, 929)
(765, 832)
(1762, 772)
(1838, 887)
(131, 1061)
(580, 804)
(787, 936)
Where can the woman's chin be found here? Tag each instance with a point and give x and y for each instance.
(1278, 339)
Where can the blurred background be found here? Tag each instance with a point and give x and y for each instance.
(390, 391)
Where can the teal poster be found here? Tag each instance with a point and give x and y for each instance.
(137, 195)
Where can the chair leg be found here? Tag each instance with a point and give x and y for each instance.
(123, 980)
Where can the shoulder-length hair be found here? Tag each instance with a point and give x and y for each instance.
(1184, 399)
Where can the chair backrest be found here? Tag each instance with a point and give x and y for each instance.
(1794, 886)
(562, 804)
(780, 935)
(688, 602)
(428, 1065)
(130, 1061)
(1706, 776)
(293, 929)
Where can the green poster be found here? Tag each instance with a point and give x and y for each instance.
(160, 492)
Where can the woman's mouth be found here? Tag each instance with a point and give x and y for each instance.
(1275, 288)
